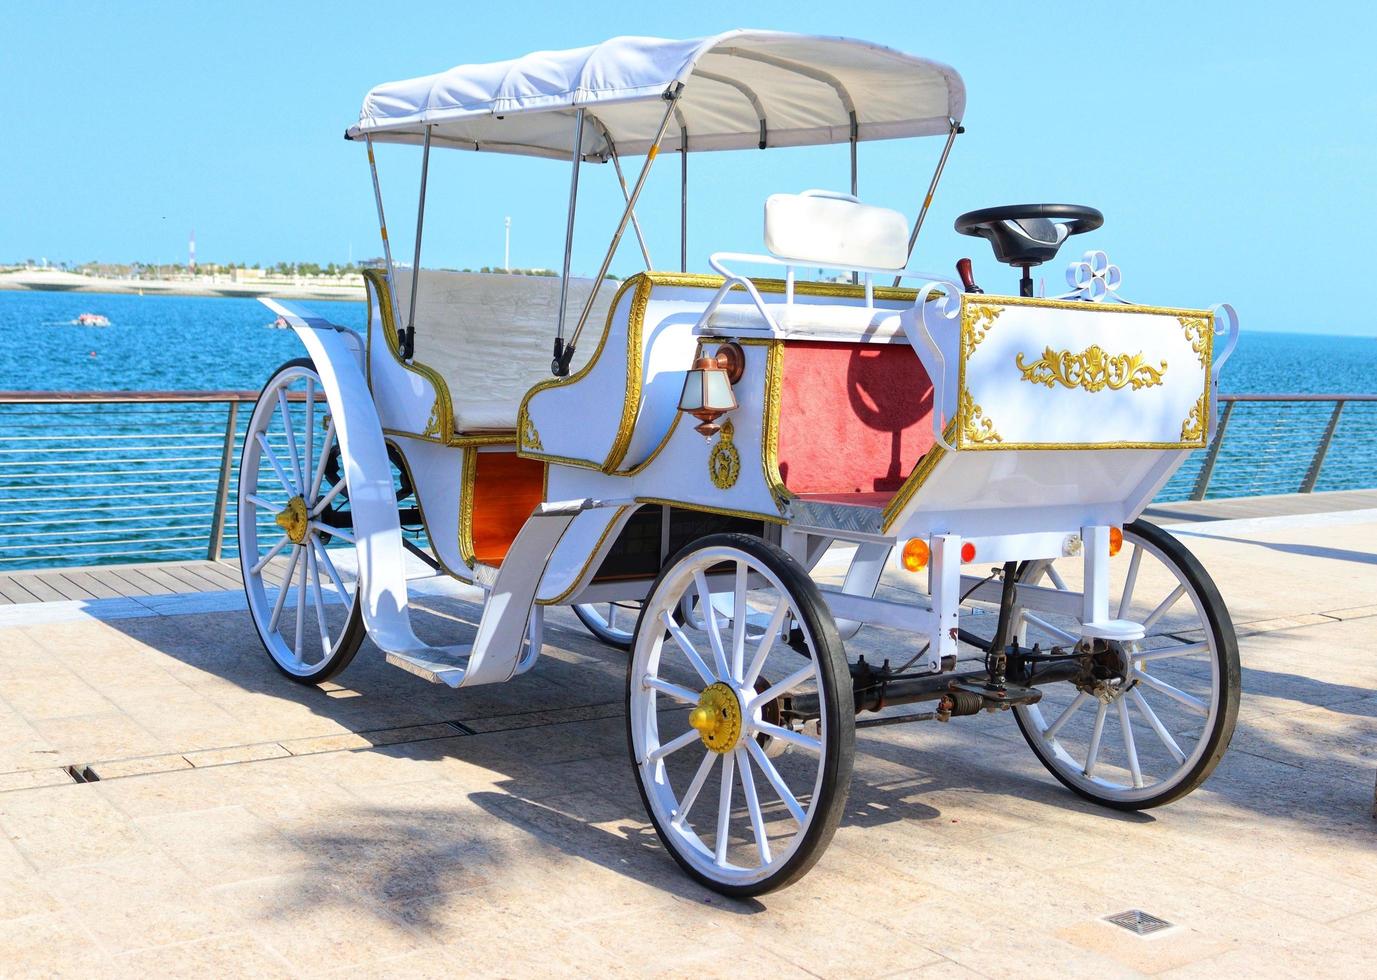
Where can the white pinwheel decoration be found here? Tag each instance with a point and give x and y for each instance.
(1094, 278)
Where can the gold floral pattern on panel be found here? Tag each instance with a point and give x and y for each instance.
(1193, 429)
(976, 322)
(975, 428)
(724, 462)
(1092, 369)
(1198, 335)
(530, 438)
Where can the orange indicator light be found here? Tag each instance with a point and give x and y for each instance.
(968, 552)
(915, 554)
(1116, 540)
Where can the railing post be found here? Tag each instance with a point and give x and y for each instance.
(1202, 482)
(217, 521)
(1317, 463)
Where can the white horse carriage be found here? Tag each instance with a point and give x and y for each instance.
(992, 453)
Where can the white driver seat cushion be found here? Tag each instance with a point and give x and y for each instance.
(490, 336)
(835, 233)
(805, 320)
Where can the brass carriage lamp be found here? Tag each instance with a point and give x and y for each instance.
(708, 394)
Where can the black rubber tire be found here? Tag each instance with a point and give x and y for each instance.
(600, 632)
(1230, 676)
(354, 630)
(839, 751)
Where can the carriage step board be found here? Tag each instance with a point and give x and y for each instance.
(430, 668)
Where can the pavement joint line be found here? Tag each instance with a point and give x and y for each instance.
(88, 772)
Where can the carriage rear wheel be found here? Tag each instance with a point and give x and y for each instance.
(1153, 718)
(729, 697)
(296, 542)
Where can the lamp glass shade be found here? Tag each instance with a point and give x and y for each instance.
(707, 389)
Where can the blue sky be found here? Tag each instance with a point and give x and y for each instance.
(1232, 147)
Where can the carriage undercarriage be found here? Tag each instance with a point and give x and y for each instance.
(947, 481)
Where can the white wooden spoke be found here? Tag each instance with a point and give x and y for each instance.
(724, 807)
(686, 645)
(282, 591)
(321, 625)
(325, 446)
(1165, 605)
(767, 642)
(1130, 747)
(324, 501)
(287, 426)
(324, 558)
(1047, 627)
(276, 465)
(300, 610)
(1076, 702)
(743, 768)
(308, 459)
(673, 745)
(1096, 733)
(788, 735)
(1156, 724)
(1166, 653)
(1126, 597)
(714, 630)
(1181, 697)
(740, 614)
(334, 532)
(1056, 578)
(264, 504)
(776, 781)
(273, 552)
(672, 690)
(783, 687)
(695, 787)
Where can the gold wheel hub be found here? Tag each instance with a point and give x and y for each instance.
(717, 717)
(294, 521)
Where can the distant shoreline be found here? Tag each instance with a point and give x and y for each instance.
(61, 282)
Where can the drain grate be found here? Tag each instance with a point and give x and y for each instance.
(1138, 921)
(81, 774)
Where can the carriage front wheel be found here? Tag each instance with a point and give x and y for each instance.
(296, 542)
(744, 784)
(1151, 719)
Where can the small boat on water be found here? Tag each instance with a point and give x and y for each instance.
(278, 324)
(91, 320)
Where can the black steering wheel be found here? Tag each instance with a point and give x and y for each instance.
(1026, 234)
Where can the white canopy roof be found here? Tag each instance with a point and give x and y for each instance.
(742, 89)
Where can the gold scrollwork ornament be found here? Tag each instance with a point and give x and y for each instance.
(1193, 429)
(975, 428)
(1198, 334)
(432, 429)
(1092, 369)
(724, 462)
(530, 438)
(976, 322)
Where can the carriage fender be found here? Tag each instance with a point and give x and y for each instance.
(336, 355)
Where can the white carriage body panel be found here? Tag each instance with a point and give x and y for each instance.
(1048, 374)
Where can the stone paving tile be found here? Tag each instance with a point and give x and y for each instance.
(49, 945)
(226, 956)
(238, 753)
(223, 845)
(138, 767)
(63, 826)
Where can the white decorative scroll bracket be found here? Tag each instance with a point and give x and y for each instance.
(1093, 278)
(934, 313)
(1224, 319)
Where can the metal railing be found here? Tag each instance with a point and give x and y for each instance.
(102, 477)
(1269, 444)
(92, 477)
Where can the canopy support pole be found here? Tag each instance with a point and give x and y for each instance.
(932, 189)
(565, 354)
(382, 222)
(562, 356)
(409, 336)
(855, 139)
(683, 196)
(626, 196)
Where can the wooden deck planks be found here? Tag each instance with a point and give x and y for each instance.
(119, 581)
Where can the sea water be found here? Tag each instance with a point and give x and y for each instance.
(167, 343)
